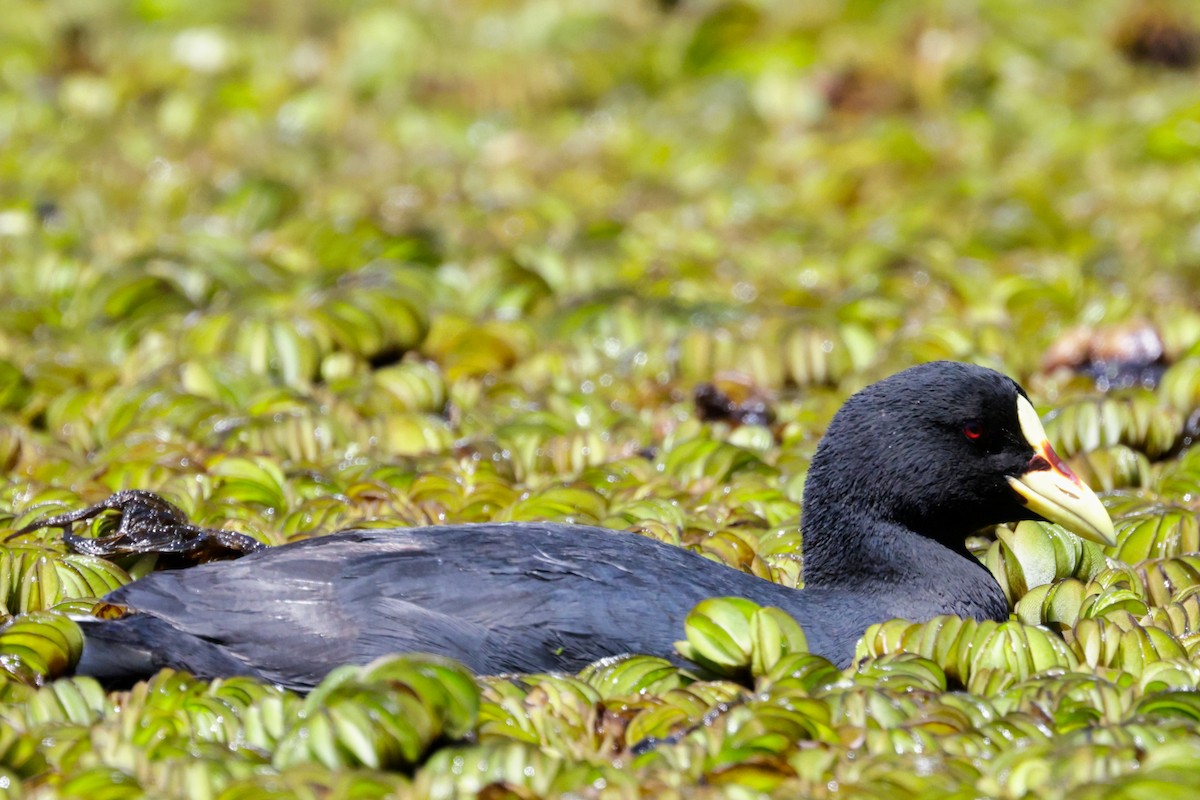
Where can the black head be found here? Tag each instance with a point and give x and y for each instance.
(941, 449)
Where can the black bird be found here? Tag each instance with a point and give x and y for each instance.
(908, 468)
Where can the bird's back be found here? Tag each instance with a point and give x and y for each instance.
(527, 597)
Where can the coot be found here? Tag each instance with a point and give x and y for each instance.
(909, 467)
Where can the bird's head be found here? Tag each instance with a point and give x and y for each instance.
(944, 449)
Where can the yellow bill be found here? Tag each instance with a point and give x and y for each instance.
(1050, 489)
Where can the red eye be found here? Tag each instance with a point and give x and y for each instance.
(972, 430)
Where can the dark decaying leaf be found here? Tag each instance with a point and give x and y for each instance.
(146, 523)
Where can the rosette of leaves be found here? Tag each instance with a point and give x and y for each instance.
(211, 389)
(21, 755)
(737, 638)
(1110, 468)
(704, 459)
(514, 769)
(752, 499)
(1178, 480)
(1135, 419)
(901, 672)
(743, 743)
(825, 357)
(385, 715)
(469, 349)
(901, 775)
(78, 700)
(39, 645)
(377, 313)
(372, 316)
(1180, 384)
(269, 342)
(804, 672)
(630, 676)
(1165, 579)
(577, 503)
(34, 578)
(660, 518)
(174, 710)
(1114, 592)
(1064, 765)
(1156, 531)
(474, 494)
(704, 352)
(676, 713)
(40, 586)
(559, 442)
(775, 352)
(163, 734)
(776, 719)
(558, 712)
(734, 548)
(1180, 616)
(1123, 643)
(404, 433)
(1071, 701)
(1035, 554)
(297, 435)
(945, 723)
(304, 782)
(1165, 771)
(858, 708)
(1055, 604)
(746, 745)
(983, 656)
(1171, 675)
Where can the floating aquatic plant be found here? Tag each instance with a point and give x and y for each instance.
(296, 270)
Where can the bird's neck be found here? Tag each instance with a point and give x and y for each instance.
(896, 569)
(848, 544)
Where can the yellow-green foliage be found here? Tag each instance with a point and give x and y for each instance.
(300, 266)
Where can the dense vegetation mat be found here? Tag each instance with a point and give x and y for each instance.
(300, 266)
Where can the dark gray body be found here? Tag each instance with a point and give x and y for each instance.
(524, 598)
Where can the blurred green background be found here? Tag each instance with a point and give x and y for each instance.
(304, 265)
